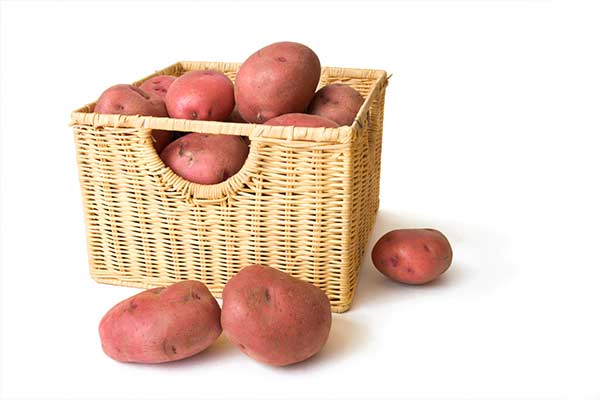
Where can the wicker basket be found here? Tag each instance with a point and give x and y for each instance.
(304, 202)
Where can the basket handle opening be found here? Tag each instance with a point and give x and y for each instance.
(197, 193)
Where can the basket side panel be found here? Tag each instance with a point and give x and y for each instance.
(130, 238)
(291, 213)
(375, 139)
(144, 232)
(364, 163)
(360, 207)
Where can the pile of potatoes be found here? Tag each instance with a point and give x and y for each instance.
(274, 86)
(269, 315)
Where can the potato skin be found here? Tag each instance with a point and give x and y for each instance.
(278, 79)
(158, 85)
(300, 119)
(161, 324)
(200, 95)
(130, 100)
(413, 256)
(206, 159)
(273, 317)
(337, 102)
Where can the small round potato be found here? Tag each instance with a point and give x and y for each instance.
(299, 119)
(278, 79)
(200, 95)
(206, 159)
(337, 102)
(162, 324)
(413, 256)
(273, 317)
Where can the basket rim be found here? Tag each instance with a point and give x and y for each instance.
(344, 134)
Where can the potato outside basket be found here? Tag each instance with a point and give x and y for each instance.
(304, 202)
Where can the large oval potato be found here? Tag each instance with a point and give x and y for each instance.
(299, 119)
(273, 317)
(337, 102)
(161, 324)
(200, 95)
(413, 256)
(278, 79)
(206, 159)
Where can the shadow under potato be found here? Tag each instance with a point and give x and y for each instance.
(345, 335)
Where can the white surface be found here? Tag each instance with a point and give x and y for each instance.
(491, 135)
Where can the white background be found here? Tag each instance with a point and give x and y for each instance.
(491, 135)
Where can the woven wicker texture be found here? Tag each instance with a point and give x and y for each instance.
(304, 202)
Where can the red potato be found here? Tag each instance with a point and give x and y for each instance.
(273, 317)
(278, 79)
(299, 119)
(413, 256)
(206, 159)
(162, 324)
(158, 85)
(337, 102)
(201, 95)
(130, 100)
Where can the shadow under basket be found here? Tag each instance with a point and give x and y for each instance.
(304, 202)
